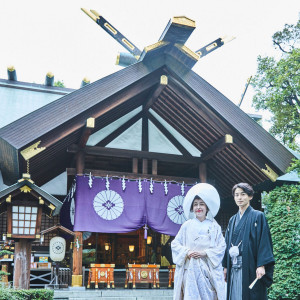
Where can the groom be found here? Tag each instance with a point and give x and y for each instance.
(249, 251)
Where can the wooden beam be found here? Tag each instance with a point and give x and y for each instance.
(162, 85)
(104, 106)
(112, 152)
(169, 136)
(103, 173)
(145, 134)
(217, 147)
(178, 30)
(203, 172)
(90, 124)
(57, 227)
(120, 130)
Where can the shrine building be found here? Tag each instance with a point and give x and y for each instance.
(111, 162)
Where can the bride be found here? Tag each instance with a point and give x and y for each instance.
(199, 247)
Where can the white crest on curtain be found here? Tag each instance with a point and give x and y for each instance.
(175, 210)
(108, 204)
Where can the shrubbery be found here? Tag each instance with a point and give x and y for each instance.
(283, 214)
(37, 294)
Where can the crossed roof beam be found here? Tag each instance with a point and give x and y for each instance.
(172, 41)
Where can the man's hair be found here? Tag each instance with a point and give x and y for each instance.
(198, 198)
(246, 187)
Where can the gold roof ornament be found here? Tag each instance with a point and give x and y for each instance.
(25, 189)
(32, 150)
(270, 173)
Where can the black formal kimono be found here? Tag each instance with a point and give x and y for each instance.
(256, 250)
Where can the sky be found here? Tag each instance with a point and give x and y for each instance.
(39, 36)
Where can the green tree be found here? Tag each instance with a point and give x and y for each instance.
(277, 85)
(59, 83)
(283, 214)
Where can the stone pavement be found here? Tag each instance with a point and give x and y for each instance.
(114, 294)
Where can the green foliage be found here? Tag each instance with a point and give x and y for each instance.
(5, 252)
(38, 294)
(277, 86)
(59, 83)
(295, 166)
(283, 214)
(3, 273)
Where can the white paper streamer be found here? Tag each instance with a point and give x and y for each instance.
(90, 180)
(182, 188)
(140, 185)
(166, 187)
(123, 183)
(107, 183)
(151, 186)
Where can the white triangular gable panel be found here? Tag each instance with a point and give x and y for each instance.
(2, 185)
(183, 141)
(159, 143)
(98, 136)
(130, 139)
(56, 186)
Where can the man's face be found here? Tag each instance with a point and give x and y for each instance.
(241, 199)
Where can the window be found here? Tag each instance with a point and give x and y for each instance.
(24, 219)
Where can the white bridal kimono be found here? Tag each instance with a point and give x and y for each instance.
(202, 278)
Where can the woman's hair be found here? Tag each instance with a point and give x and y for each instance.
(246, 187)
(198, 198)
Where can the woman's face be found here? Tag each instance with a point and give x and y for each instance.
(200, 209)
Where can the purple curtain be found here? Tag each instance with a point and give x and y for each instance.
(117, 205)
(110, 209)
(164, 209)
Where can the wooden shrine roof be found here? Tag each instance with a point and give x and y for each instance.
(234, 147)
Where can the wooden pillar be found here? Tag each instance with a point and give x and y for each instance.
(22, 264)
(135, 165)
(80, 162)
(77, 260)
(202, 172)
(154, 167)
(145, 166)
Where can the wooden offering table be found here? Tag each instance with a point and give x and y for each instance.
(101, 273)
(142, 274)
(171, 275)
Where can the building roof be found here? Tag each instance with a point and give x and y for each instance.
(234, 147)
(29, 183)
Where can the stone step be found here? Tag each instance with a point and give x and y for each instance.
(117, 294)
